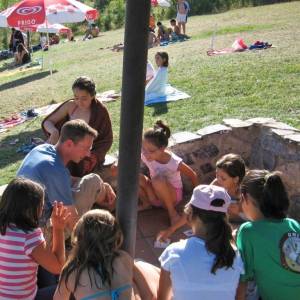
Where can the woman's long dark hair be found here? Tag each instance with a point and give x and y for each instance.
(96, 238)
(218, 238)
(268, 192)
(20, 205)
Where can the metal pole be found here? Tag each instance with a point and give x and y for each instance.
(132, 112)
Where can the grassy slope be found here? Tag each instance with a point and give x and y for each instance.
(242, 85)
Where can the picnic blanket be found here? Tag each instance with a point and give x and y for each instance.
(171, 94)
(20, 118)
(11, 122)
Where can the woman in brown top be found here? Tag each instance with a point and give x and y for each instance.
(87, 107)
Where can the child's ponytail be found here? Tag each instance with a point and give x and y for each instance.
(268, 192)
(218, 237)
(158, 135)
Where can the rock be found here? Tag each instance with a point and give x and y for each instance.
(218, 128)
(236, 123)
(260, 121)
(184, 136)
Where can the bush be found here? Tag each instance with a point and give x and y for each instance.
(113, 16)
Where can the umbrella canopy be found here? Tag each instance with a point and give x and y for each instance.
(163, 3)
(53, 28)
(46, 28)
(34, 12)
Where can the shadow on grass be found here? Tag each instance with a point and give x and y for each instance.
(159, 109)
(8, 152)
(24, 80)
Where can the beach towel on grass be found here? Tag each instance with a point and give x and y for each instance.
(171, 94)
(158, 91)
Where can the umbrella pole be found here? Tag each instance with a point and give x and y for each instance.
(48, 43)
(132, 113)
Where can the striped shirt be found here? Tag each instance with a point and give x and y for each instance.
(18, 270)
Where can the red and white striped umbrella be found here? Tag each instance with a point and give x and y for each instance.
(35, 12)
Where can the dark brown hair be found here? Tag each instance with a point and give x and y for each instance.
(76, 130)
(96, 240)
(86, 84)
(218, 237)
(233, 165)
(158, 135)
(165, 58)
(268, 192)
(21, 203)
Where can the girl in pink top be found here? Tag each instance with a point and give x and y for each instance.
(22, 244)
(164, 187)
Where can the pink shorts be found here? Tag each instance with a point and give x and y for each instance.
(158, 203)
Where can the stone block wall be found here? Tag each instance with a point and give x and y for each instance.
(262, 142)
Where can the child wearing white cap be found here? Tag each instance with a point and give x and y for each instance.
(205, 266)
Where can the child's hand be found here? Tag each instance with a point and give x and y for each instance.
(59, 216)
(110, 194)
(163, 235)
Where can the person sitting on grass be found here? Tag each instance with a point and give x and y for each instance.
(206, 265)
(92, 32)
(22, 244)
(270, 242)
(230, 170)
(22, 56)
(164, 187)
(152, 39)
(156, 87)
(162, 33)
(87, 107)
(176, 35)
(47, 163)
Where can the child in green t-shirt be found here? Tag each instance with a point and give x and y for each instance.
(270, 242)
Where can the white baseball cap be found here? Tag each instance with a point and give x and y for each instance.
(204, 195)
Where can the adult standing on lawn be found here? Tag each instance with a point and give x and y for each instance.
(87, 107)
(182, 12)
(46, 164)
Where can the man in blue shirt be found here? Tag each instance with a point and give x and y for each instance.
(46, 164)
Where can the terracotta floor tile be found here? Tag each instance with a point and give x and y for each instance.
(152, 221)
(143, 251)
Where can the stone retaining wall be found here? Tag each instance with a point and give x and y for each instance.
(262, 142)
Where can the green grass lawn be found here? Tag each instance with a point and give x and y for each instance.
(240, 85)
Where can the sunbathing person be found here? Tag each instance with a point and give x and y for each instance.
(22, 55)
(87, 107)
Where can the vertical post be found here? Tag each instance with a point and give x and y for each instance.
(132, 112)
